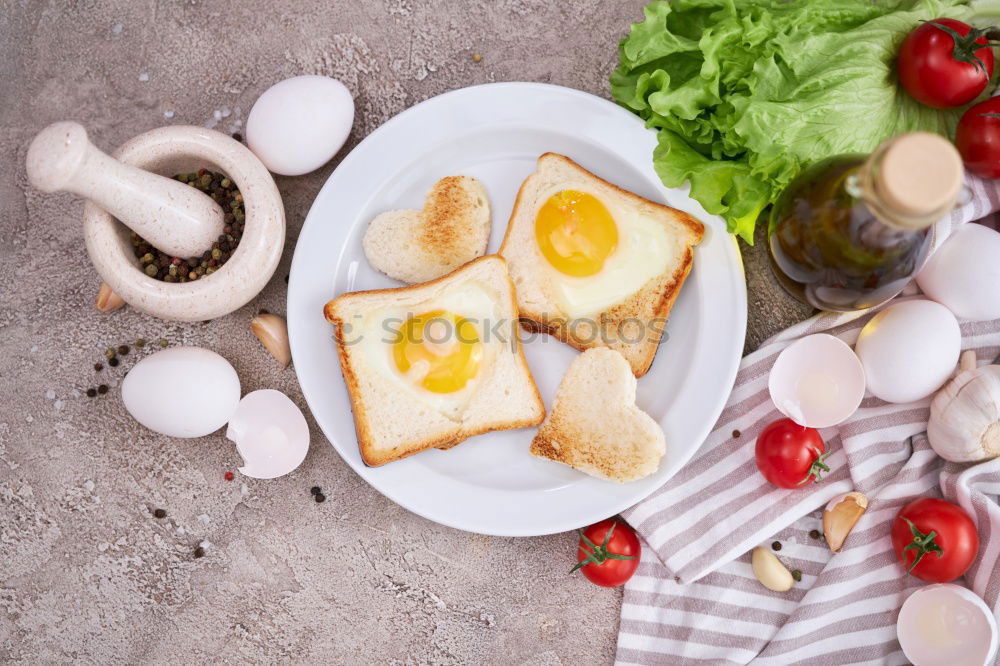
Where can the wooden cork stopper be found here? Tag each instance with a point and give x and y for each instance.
(919, 174)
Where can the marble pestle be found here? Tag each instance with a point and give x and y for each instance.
(173, 217)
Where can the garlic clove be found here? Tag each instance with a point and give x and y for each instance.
(840, 516)
(769, 570)
(967, 361)
(964, 424)
(272, 331)
(107, 300)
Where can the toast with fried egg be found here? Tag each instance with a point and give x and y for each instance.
(595, 265)
(451, 229)
(430, 365)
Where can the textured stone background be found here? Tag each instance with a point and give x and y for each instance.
(86, 573)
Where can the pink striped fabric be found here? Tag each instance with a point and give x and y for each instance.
(694, 599)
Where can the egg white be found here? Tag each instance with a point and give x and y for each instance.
(644, 251)
(471, 300)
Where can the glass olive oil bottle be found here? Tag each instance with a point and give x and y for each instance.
(851, 231)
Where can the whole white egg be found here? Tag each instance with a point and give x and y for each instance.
(298, 124)
(182, 391)
(909, 350)
(964, 273)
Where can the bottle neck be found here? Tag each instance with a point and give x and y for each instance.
(865, 185)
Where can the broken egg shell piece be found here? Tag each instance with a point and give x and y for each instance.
(840, 516)
(947, 624)
(817, 381)
(270, 433)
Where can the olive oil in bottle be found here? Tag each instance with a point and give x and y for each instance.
(851, 231)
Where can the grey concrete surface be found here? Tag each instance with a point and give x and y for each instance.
(87, 574)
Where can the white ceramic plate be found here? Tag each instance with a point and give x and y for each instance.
(490, 483)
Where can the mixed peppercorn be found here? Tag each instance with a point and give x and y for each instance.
(168, 268)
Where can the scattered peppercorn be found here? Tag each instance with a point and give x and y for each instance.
(797, 575)
(160, 513)
(113, 362)
(102, 389)
(123, 350)
(98, 367)
(140, 343)
(168, 268)
(776, 545)
(320, 497)
(199, 552)
(228, 476)
(91, 392)
(814, 534)
(315, 490)
(109, 352)
(477, 57)
(736, 434)
(163, 342)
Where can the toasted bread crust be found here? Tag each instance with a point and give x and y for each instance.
(373, 456)
(446, 207)
(594, 425)
(450, 229)
(660, 293)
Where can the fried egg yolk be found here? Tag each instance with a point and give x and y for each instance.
(438, 350)
(575, 233)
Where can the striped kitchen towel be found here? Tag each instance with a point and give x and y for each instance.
(694, 598)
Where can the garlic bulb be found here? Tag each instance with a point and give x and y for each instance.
(965, 415)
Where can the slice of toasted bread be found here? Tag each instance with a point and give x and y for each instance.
(451, 229)
(595, 425)
(636, 295)
(393, 417)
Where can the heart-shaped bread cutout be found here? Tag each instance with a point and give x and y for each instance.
(451, 230)
(595, 426)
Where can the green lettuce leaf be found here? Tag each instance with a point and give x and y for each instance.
(746, 93)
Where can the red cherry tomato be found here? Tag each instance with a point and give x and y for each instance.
(608, 553)
(978, 138)
(945, 63)
(935, 540)
(790, 455)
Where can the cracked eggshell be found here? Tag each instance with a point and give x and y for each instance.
(947, 624)
(817, 381)
(182, 391)
(270, 433)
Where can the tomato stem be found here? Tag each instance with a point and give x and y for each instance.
(966, 47)
(921, 544)
(817, 468)
(599, 554)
